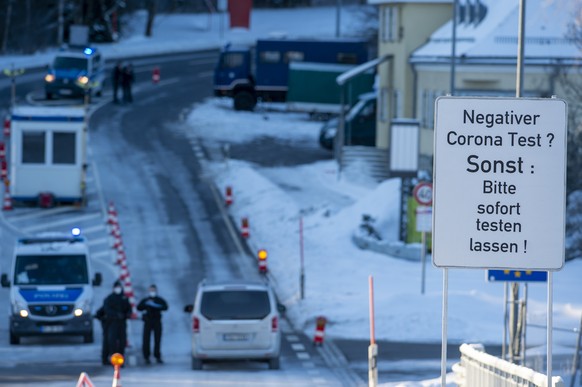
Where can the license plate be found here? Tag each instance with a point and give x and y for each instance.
(65, 92)
(51, 328)
(235, 337)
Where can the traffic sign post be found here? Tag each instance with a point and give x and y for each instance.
(500, 183)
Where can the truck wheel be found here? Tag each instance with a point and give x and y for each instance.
(196, 363)
(49, 96)
(274, 363)
(88, 338)
(14, 339)
(244, 100)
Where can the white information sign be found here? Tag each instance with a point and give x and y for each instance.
(499, 183)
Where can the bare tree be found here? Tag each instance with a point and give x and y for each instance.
(7, 20)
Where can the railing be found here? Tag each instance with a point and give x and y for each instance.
(479, 369)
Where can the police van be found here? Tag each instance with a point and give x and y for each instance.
(73, 71)
(51, 287)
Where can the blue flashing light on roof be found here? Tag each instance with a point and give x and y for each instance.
(76, 231)
(88, 51)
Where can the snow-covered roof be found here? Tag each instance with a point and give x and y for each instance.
(494, 38)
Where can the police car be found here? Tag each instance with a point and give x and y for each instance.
(51, 287)
(74, 71)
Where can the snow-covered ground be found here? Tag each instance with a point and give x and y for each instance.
(275, 199)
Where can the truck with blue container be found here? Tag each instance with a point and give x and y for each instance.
(247, 75)
(51, 287)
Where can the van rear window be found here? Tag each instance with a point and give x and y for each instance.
(235, 305)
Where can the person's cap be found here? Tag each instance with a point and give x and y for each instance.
(117, 283)
(153, 286)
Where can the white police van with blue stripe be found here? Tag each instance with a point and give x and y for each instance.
(74, 71)
(51, 287)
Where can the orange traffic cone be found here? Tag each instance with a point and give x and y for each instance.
(7, 199)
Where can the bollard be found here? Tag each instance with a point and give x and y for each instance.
(156, 75)
(117, 361)
(245, 228)
(7, 198)
(2, 150)
(6, 127)
(262, 256)
(228, 196)
(3, 169)
(319, 330)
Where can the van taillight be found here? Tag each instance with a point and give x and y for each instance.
(195, 325)
(274, 324)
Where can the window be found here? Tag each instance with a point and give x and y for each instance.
(270, 57)
(33, 147)
(67, 63)
(384, 94)
(390, 24)
(63, 148)
(296, 56)
(51, 270)
(347, 58)
(232, 60)
(235, 305)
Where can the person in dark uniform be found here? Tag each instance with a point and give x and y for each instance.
(152, 307)
(100, 315)
(127, 78)
(117, 310)
(116, 80)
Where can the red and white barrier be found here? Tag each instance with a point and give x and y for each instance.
(84, 381)
(156, 75)
(2, 150)
(6, 127)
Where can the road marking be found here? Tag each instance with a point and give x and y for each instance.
(92, 229)
(62, 222)
(292, 338)
(100, 241)
(311, 365)
(38, 214)
(303, 355)
(298, 347)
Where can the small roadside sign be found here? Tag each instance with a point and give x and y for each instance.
(517, 276)
(422, 193)
(423, 219)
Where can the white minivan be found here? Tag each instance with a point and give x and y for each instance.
(235, 320)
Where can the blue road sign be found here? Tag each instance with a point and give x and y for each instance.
(517, 275)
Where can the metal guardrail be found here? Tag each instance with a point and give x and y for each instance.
(479, 369)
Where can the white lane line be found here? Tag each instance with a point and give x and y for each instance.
(292, 338)
(40, 213)
(62, 222)
(96, 242)
(303, 355)
(311, 365)
(319, 380)
(298, 347)
(92, 229)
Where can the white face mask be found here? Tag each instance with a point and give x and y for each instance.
(153, 294)
(117, 290)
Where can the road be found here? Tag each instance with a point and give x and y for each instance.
(174, 235)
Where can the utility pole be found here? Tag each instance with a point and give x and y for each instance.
(338, 13)
(61, 23)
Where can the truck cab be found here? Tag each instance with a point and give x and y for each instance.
(233, 74)
(51, 287)
(74, 72)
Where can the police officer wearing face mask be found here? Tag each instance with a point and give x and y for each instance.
(152, 307)
(117, 310)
